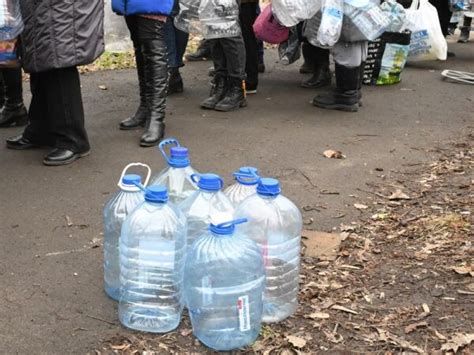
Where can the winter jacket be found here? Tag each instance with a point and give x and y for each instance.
(61, 33)
(143, 7)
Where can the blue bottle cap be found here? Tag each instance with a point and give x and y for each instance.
(268, 187)
(156, 194)
(226, 228)
(247, 175)
(179, 157)
(131, 180)
(208, 182)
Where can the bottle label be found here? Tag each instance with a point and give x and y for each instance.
(244, 313)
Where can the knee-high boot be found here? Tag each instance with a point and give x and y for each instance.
(14, 111)
(156, 80)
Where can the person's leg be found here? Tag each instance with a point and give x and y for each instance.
(182, 39)
(14, 111)
(260, 49)
(248, 14)
(64, 100)
(2, 90)
(219, 82)
(465, 30)
(176, 42)
(234, 51)
(139, 118)
(37, 132)
(153, 46)
(321, 73)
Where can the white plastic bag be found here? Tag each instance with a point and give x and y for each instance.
(291, 12)
(427, 40)
(330, 28)
(11, 24)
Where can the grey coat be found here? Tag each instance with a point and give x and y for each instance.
(61, 33)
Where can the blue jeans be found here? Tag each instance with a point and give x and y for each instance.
(176, 41)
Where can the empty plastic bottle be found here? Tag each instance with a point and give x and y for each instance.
(177, 176)
(207, 201)
(152, 255)
(224, 284)
(245, 186)
(115, 212)
(275, 224)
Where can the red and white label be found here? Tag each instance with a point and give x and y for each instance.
(244, 313)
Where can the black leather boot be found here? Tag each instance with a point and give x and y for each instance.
(322, 77)
(308, 64)
(234, 97)
(175, 81)
(14, 111)
(346, 95)
(202, 53)
(156, 81)
(139, 119)
(218, 91)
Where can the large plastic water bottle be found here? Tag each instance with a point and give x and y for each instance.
(116, 210)
(245, 185)
(152, 255)
(207, 201)
(224, 284)
(275, 224)
(177, 176)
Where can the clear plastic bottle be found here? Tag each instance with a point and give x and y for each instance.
(199, 207)
(115, 211)
(245, 186)
(152, 255)
(275, 224)
(177, 176)
(224, 284)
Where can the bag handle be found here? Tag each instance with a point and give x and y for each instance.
(415, 4)
(135, 164)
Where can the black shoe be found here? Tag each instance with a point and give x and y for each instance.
(59, 156)
(322, 77)
(347, 94)
(261, 67)
(202, 53)
(250, 89)
(13, 116)
(140, 117)
(218, 91)
(175, 82)
(211, 72)
(20, 143)
(234, 97)
(465, 33)
(451, 54)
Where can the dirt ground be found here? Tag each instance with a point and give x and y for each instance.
(392, 286)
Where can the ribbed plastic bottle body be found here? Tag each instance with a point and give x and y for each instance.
(177, 181)
(198, 210)
(275, 224)
(239, 192)
(115, 212)
(224, 282)
(152, 256)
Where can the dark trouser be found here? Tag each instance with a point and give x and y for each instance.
(228, 55)
(11, 86)
(56, 112)
(444, 14)
(248, 14)
(176, 41)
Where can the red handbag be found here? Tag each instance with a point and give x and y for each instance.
(268, 29)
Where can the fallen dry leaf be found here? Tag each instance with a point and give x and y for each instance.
(458, 341)
(387, 336)
(319, 315)
(333, 154)
(69, 221)
(297, 342)
(320, 244)
(463, 270)
(398, 195)
(360, 206)
(343, 309)
(412, 327)
(102, 87)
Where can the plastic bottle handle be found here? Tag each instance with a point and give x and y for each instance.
(166, 142)
(135, 164)
(196, 177)
(234, 222)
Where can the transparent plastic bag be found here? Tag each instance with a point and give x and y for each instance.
(188, 18)
(11, 23)
(367, 17)
(331, 23)
(219, 18)
(291, 12)
(290, 50)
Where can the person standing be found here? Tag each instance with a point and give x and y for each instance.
(11, 98)
(247, 17)
(58, 36)
(146, 22)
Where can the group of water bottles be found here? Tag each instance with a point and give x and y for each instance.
(231, 257)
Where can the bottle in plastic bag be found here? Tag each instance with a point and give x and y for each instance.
(152, 256)
(177, 176)
(245, 186)
(224, 284)
(368, 17)
(199, 207)
(275, 224)
(329, 31)
(11, 22)
(116, 210)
